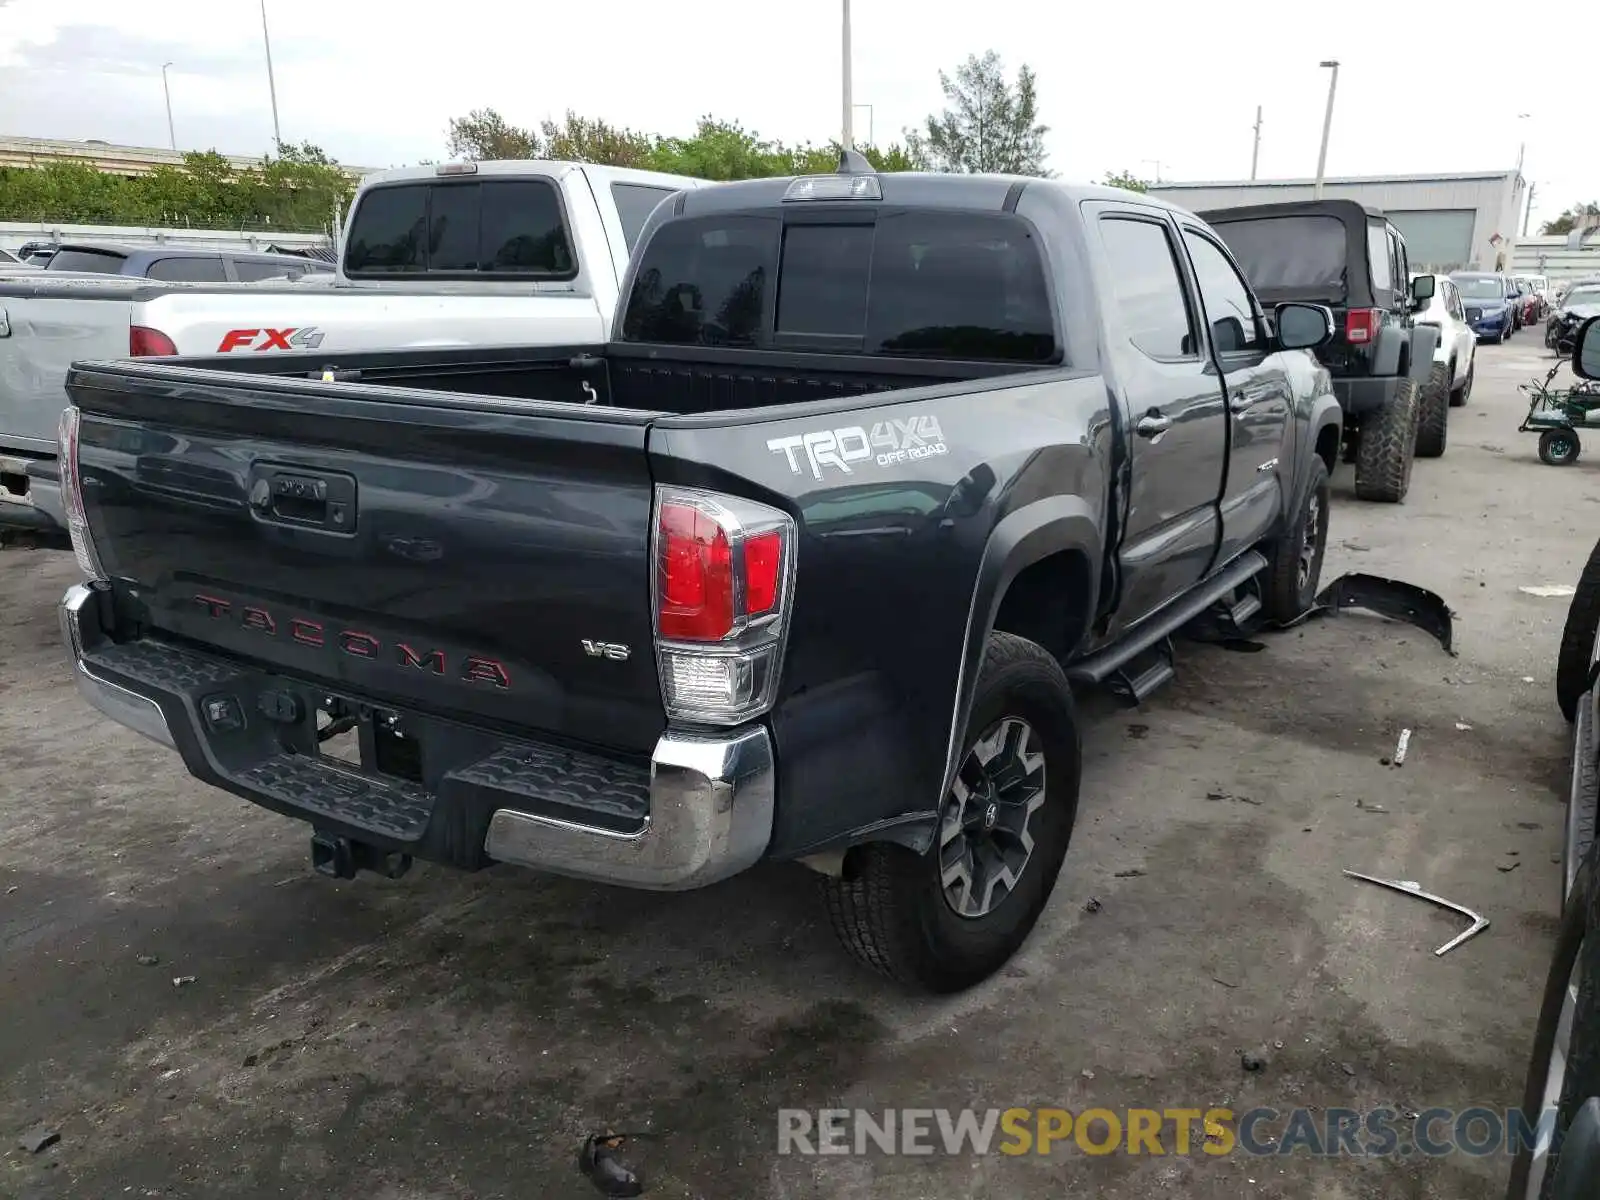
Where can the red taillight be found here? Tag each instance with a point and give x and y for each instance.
(763, 563)
(695, 563)
(1361, 325)
(724, 574)
(144, 342)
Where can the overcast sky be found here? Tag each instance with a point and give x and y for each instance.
(1120, 85)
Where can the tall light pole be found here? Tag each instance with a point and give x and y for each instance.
(1255, 150)
(1156, 162)
(1327, 123)
(847, 136)
(272, 87)
(1523, 144)
(172, 138)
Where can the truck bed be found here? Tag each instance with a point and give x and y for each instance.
(675, 380)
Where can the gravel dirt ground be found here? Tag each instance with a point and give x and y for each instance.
(451, 1037)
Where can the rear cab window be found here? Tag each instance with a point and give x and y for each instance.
(922, 283)
(1301, 257)
(95, 262)
(513, 228)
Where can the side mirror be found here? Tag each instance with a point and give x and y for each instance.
(1422, 289)
(1306, 326)
(1586, 353)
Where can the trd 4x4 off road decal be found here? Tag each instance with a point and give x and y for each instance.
(887, 444)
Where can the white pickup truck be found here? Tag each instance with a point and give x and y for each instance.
(461, 254)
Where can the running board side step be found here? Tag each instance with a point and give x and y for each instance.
(1156, 629)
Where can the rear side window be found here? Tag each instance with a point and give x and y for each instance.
(1290, 256)
(97, 262)
(251, 270)
(635, 202)
(1148, 287)
(921, 284)
(510, 226)
(1378, 260)
(187, 270)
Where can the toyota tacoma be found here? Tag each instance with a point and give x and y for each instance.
(803, 563)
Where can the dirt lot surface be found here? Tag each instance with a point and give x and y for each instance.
(449, 1036)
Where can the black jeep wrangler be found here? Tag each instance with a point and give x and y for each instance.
(1349, 257)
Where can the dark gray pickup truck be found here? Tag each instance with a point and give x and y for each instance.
(802, 564)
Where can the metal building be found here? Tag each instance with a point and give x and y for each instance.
(1450, 222)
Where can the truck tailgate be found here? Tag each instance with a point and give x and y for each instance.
(434, 552)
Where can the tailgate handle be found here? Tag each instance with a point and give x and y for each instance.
(287, 496)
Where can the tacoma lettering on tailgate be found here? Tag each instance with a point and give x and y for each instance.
(356, 643)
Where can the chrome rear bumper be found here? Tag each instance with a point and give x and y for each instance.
(711, 795)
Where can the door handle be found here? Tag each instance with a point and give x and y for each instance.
(1152, 425)
(1239, 401)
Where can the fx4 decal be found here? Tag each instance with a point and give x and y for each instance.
(292, 338)
(888, 444)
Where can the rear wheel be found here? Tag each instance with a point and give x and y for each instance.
(946, 919)
(1295, 559)
(1558, 447)
(1459, 397)
(1388, 441)
(1433, 418)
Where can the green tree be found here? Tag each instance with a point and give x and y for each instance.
(583, 139)
(1569, 220)
(484, 133)
(1126, 180)
(990, 124)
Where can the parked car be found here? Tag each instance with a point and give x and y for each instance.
(1582, 301)
(1351, 258)
(1561, 1098)
(516, 252)
(1454, 363)
(1539, 286)
(617, 611)
(1525, 305)
(179, 264)
(1488, 297)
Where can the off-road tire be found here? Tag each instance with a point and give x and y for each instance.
(1286, 592)
(1388, 443)
(1577, 637)
(1433, 415)
(1576, 959)
(889, 909)
(1460, 396)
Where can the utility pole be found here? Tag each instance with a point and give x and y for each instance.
(1327, 123)
(1156, 162)
(272, 87)
(1527, 214)
(1255, 152)
(847, 136)
(172, 138)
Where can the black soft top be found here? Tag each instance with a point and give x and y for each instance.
(1354, 216)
